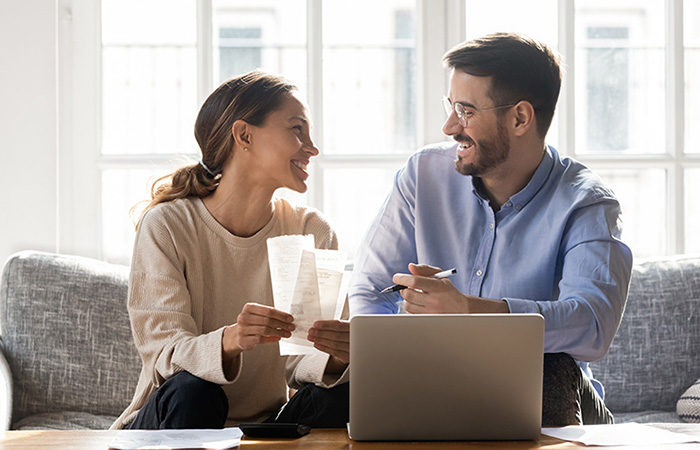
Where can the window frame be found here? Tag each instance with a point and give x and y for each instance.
(440, 25)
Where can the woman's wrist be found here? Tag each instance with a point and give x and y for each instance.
(335, 366)
(229, 343)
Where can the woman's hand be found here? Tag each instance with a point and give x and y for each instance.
(256, 324)
(332, 337)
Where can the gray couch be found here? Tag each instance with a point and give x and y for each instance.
(68, 360)
(66, 337)
(655, 355)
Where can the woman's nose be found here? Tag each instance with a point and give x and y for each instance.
(310, 148)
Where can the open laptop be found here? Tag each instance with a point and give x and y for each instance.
(446, 377)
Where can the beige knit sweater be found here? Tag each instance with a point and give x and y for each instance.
(190, 278)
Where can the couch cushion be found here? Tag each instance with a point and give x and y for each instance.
(65, 421)
(66, 335)
(655, 355)
(648, 417)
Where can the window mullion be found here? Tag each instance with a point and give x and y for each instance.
(675, 121)
(440, 26)
(567, 46)
(205, 59)
(314, 64)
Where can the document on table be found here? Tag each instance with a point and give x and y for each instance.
(176, 439)
(309, 283)
(625, 434)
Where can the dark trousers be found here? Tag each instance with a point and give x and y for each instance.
(568, 396)
(186, 401)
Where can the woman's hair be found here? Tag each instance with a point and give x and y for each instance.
(520, 69)
(250, 97)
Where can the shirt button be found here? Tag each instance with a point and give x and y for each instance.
(508, 204)
(490, 226)
(518, 207)
(479, 273)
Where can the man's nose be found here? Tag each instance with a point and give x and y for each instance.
(452, 126)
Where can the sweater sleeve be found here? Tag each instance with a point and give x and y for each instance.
(165, 332)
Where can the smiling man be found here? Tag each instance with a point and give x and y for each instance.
(528, 230)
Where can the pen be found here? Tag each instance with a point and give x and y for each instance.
(398, 287)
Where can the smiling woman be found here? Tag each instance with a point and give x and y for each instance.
(200, 294)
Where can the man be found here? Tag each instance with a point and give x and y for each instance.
(528, 230)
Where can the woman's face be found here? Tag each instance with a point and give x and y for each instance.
(282, 145)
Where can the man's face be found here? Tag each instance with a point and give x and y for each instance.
(484, 143)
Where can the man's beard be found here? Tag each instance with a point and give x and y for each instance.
(488, 153)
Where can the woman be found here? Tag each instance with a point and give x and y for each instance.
(199, 293)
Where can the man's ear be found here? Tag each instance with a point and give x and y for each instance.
(241, 133)
(524, 119)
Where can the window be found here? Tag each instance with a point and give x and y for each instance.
(621, 107)
(370, 72)
(150, 88)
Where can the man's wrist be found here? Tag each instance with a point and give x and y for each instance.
(479, 305)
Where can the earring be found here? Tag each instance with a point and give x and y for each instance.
(245, 149)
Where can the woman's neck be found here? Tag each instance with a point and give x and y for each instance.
(241, 209)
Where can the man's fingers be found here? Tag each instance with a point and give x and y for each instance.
(423, 270)
(419, 283)
(413, 308)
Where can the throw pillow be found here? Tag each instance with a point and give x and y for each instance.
(688, 406)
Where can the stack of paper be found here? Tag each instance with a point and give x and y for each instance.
(308, 283)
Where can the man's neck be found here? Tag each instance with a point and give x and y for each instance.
(511, 178)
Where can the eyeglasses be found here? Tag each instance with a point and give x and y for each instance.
(464, 113)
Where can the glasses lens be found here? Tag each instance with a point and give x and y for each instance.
(447, 105)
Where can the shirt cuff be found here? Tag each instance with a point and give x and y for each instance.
(520, 306)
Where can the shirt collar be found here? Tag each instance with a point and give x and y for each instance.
(520, 199)
(537, 181)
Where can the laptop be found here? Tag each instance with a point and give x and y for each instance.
(446, 377)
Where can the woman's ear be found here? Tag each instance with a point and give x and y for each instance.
(241, 133)
(524, 117)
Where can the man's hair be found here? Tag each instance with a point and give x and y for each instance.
(520, 69)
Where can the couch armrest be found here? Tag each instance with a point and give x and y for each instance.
(5, 393)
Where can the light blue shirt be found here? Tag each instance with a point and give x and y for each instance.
(553, 248)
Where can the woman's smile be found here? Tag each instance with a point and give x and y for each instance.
(301, 166)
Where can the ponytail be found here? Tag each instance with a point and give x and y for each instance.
(187, 181)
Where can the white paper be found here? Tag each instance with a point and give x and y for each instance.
(176, 439)
(284, 256)
(306, 301)
(311, 284)
(625, 434)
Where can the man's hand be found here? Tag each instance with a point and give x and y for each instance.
(332, 337)
(256, 324)
(428, 295)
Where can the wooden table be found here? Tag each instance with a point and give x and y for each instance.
(316, 439)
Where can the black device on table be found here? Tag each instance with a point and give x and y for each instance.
(274, 430)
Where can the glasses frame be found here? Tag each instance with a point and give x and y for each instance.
(461, 112)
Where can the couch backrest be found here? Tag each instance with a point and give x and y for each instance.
(66, 334)
(655, 355)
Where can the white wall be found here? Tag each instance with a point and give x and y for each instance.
(28, 126)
